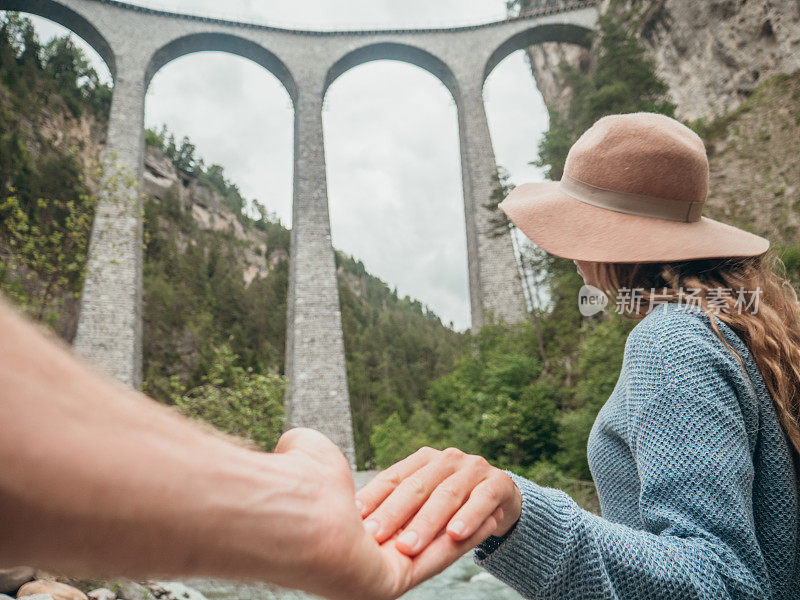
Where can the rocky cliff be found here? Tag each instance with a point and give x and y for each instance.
(208, 210)
(713, 54)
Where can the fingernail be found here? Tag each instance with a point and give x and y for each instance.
(457, 527)
(372, 527)
(359, 506)
(408, 539)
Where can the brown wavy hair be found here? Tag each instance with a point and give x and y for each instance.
(750, 294)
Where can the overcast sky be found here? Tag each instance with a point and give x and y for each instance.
(391, 136)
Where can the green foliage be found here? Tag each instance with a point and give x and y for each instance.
(46, 204)
(500, 401)
(394, 347)
(393, 438)
(183, 156)
(235, 400)
(495, 402)
(501, 187)
(46, 242)
(196, 300)
(623, 81)
(790, 257)
(77, 80)
(57, 73)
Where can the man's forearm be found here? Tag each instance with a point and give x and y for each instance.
(96, 477)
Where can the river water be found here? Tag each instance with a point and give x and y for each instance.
(464, 580)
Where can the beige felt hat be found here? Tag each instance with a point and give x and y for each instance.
(633, 189)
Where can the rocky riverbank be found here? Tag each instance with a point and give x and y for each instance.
(462, 581)
(27, 583)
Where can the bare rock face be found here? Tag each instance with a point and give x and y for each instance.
(714, 53)
(546, 60)
(159, 175)
(755, 179)
(208, 210)
(59, 591)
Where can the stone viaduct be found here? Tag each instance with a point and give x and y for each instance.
(136, 42)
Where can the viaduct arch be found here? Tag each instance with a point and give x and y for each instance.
(135, 42)
(393, 51)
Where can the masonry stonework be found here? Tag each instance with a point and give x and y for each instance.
(135, 42)
(110, 321)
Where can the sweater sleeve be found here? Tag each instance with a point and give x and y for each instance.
(699, 540)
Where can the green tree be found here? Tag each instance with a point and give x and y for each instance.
(47, 241)
(235, 400)
(31, 55)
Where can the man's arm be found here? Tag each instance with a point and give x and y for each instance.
(96, 478)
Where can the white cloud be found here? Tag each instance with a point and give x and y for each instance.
(391, 136)
(237, 114)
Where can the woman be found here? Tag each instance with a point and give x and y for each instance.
(694, 454)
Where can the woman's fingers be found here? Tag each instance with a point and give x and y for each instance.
(443, 503)
(406, 499)
(444, 551)
(487, 499)
(385, 482)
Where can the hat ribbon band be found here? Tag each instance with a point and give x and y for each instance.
(632, 204)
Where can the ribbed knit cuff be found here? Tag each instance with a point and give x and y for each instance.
(529, 556)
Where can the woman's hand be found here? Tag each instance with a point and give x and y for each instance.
(341, 560)
(432, 490)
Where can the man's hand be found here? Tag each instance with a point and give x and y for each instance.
(346, 560)
(96, 478)
(434, 490)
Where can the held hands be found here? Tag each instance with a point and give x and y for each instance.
(339, 558)
(431, 491)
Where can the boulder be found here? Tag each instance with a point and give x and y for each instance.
(11, 579)
(101, 594)
(180, 591)
(35, 597)
(158, 591)
(130, 590)
(59, 591)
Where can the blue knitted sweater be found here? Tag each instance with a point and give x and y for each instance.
(695, 479)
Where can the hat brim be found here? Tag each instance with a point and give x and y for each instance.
(566, 227)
